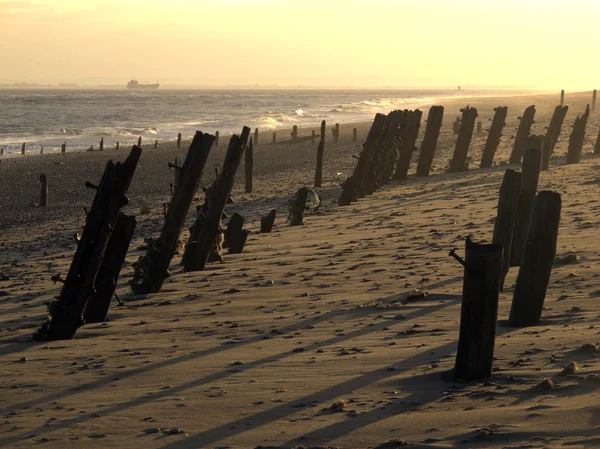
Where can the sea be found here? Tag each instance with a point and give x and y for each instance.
(81, 117)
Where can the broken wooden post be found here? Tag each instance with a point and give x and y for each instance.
(249, 165)
(493, 138)
(354, 135)
(235, 236)
(43, 191)
(536, 265)
(429, 144)
(117, 146)
(465, 134)
(577, 137)
(298, 206)
(161, 251)
(505, 220)
(66, 311)
(520, 145)
(594, 100)
(178, 140)
(63, 147)
(274, 137)
(479, 311)
(597, 146)
(479, 127)
(139, 144)
(23, 148)
(407, 145)
(294, 133)
(105, 284)
(256, 136)
(176, 166)
(102, 144)
(336, 133)
(156, 144)
(562, 97)
(320, 152)
(267, 222)
(216, 139)
(552, 134)
(200, 249)
(530, 173)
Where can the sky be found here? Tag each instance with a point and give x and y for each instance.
(548, 44)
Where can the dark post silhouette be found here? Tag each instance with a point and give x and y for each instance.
(267, 222)
(465, 134)
(23, 148)
(594, 100)
(577, 137)
(354, 135)
(216, 144)
(117, 147)
(479, 127)
(313, 136)
(63, 147)
(256, 136)
(336, 133)
(429, 144)
(249, 165)
(156, 144)
(274, 137)
(235, 236)
(407, 145)
(43, 191)
(520, 145)
(562, 97)
(102, 144)
(597, 146)
(294, 133)
(552, 134)
(320, 152)
(178, 140)
(493, 138)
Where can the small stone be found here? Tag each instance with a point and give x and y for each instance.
(23, 360)
(392, 368)
(571, 368)
(152, 430)
(174, 431)
(400, 317)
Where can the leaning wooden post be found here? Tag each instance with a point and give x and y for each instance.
(429, 144)
(216, 139)
(597, 146)
(156, 144)
(201, 249)
(354, 135)
(294, 133)
(102, 144)
(320, 152)
(552, 134)
(577, 137)
(465, 134)
(479, 311)
(105, 284)
(274, 137)
(178, 140)
(530, 177)
(505, 220)
(256, 136)
(139, 144)
(249, 165)
(42, 150)
(43, 191)
(267, 222)
(63, 147)
(407, 146)
(493, 138)
(23, 148)
(538, 257)
(160, 252)
(594, 100)
(562, 97)
(520, 145)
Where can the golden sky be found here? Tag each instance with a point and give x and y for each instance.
(404, 43)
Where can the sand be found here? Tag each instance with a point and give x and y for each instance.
(310, 336)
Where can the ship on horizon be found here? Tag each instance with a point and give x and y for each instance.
(135, 84)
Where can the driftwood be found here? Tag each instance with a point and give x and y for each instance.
(429, 144)
(320, 152)
(493, 138)
(267, 222)
(538, 257)
(520, 145)
(552, 134)
(479, 311)
(465, 134)
(577, 137)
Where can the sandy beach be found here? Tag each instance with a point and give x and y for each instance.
(310, 337)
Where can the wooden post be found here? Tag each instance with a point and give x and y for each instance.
(456, 125)
(354, 135)
(79, 285)
(105, 284)
(407, 145)
(530, 176)
(294, 133)
(520, 145)
(256, 136)
(274, 137)
(178, 140)
(156, 144)
(235, 236)
(594, 100)
(139, 144)
(249, 165)
(313, 136)
(320, 152)
(63, 147)
(398, 133)
(101, 146)
(493, 138)
(562, 97)
(298, 206)
(42, 150)
(597, 146)
(467, 123)
(161, 251)
(552, 134)
(176, 166)
(479, 127)
(577, 137)
(43, 191)
(117, 146)
(429, 144)
(336, 133)
(505, 220)
(200, 250)
(216, 139)
(479, 311)
(1, 151)
(267, 222)
(538, 257)
(23, 148)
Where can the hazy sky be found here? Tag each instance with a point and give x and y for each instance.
(535, 43)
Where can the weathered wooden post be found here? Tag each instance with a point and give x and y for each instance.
(407, 145)
(313, 136)
(298, 206)
(274, 137)
(597, 146)
(479, 127)
(1, 151)
(178, 140)
(456, 125)
(216, 139)
(160, 252)
(493, 138)
(201, 248)
(63, 147)
(320, 152)
(577, 137)
(267, 222)
(139, 144)
(176, 166)
(479, 311)
(354, 135)
(156, 144)
(249, 165)
(530, 173)
(520, 145)
(467, 123)
(235, 236)
(505, 220)
(102, 144)
(256, 136)
(117, 146)
(429, 144)
(538, 257)
(336, 133)
(23, 148)
(42, 150)
(594, 100)
(552, 134)
(562, 97)
(43, 191)
(105, 284)
(294, 133)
